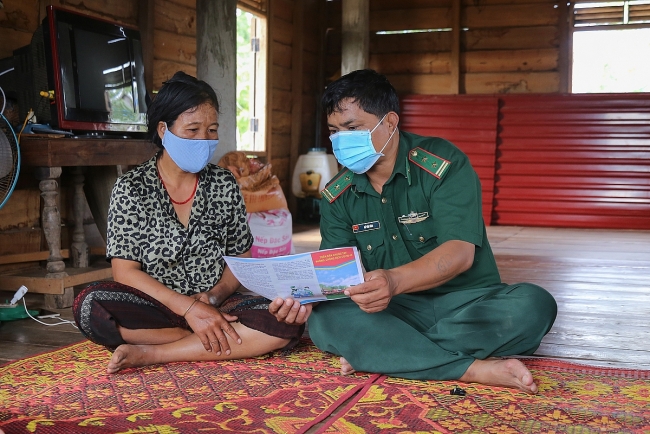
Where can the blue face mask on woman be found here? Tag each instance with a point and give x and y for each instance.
(354, 149)
(189, 154)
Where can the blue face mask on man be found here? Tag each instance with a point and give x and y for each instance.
(354, 149)
(189, 154)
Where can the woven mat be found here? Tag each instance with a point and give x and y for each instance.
(572, 398)
(67, 391)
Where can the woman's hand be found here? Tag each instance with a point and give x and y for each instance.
(208, 298)
(211, 326)
(290, 311)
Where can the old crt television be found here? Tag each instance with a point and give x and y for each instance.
(93, 70)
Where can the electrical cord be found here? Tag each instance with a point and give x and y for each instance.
(4, 97)
(4, 101)
(61, 320)
(29, 116)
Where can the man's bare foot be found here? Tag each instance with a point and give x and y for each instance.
(500, 372)
(346, 368)
(129, 356)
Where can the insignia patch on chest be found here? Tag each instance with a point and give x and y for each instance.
(363, 227)
(413, 217)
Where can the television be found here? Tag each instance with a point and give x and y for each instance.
(83, 74)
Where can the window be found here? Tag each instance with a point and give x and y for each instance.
(611, 45)
(251, 82)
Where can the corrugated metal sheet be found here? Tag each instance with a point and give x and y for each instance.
(574, 161)
(470, 122)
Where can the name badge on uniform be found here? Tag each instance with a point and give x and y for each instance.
(413, 217)
(363, 227)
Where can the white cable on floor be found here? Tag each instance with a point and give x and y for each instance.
(62, 321)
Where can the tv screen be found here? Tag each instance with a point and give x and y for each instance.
(96, 71)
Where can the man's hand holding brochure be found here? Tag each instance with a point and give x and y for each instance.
(307, 277)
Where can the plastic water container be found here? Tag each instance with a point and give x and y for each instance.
(313, 171)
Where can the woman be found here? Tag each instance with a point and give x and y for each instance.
(170, 222)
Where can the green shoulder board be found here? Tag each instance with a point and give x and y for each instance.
(337, 186)
(433, 164)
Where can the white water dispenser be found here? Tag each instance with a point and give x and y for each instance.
(313, 171)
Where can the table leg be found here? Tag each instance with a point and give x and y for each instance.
(79, 251)
(51, 218)
(51, 225)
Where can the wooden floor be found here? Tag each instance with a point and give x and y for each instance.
(600, 279)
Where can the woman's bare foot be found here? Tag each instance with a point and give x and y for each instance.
(346, 368)
(129, 356)
(500, 372)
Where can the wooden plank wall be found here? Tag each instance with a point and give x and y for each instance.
(174, 39)
(281, 84)
(574, 161)
(293, 80)
(505, 46)
(468, 121)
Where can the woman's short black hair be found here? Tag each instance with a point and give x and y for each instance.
(180, 93)
(371, 90)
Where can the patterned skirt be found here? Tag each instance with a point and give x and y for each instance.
(103, 306)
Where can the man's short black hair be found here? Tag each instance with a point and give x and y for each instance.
(371, 90)
(180, 93)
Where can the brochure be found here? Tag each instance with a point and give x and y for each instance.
(307, 277)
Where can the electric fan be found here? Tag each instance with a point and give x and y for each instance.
(9, 160)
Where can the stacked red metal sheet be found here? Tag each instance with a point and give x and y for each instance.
(468, 121)
(579, 160)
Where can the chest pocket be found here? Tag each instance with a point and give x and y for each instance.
(372, 248)
(420, 237)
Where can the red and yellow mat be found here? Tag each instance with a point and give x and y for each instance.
(68, 391)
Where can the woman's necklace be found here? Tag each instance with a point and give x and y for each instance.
(196, 184)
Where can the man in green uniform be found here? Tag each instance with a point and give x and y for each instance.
(432, 305)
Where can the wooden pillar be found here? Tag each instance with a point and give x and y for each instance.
(216, 63)
(565, 59)
(455, 46)
(356, 35)
(296, 95)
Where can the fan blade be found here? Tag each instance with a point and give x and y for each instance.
(6, 156)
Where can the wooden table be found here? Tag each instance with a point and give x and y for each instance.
(47, 156)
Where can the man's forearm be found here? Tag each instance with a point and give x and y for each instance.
(435, 268)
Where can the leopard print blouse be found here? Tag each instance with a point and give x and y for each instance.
(143, 227)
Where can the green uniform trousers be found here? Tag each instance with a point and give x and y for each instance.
(433, 336)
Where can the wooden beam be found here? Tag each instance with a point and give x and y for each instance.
(37, 283)
(146, 25)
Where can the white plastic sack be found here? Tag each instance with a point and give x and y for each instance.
(271, 233)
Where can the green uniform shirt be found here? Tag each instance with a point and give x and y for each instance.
(432, 196)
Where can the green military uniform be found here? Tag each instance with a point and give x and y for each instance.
(432, 196)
